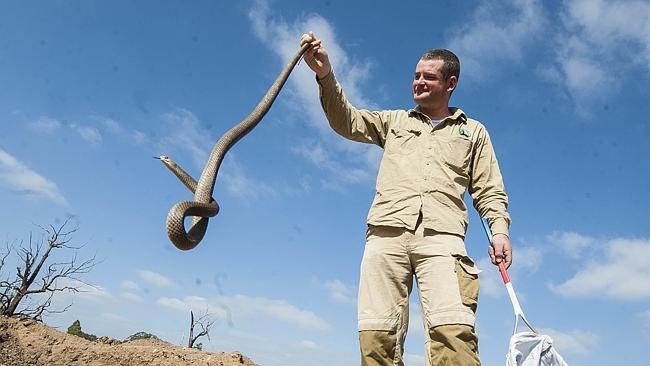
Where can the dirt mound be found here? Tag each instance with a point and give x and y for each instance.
(32, 343)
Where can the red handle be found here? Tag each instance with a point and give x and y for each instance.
(504, 274)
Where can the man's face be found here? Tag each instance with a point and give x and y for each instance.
(429, 86)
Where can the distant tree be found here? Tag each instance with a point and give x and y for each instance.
(35, 276)
(205, 323)
(140, 335)
(75, 329)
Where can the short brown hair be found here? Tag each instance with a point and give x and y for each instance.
(451, 63)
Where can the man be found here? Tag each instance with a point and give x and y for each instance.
(418, 219)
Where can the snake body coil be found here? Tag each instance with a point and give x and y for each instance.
(204, 206)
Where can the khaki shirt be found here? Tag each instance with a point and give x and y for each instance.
(425, 169)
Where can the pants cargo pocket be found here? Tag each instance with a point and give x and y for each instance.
(468, 281)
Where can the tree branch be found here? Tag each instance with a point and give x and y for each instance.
(205, 322)
(33, 268)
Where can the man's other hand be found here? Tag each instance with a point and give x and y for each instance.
(500, 250)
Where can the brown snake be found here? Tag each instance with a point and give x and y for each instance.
(204, 206)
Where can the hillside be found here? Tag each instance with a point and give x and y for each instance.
(31, 343)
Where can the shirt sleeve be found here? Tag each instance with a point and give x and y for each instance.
(355, 124)
(486, 185)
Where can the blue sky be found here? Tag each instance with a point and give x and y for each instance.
(90, 91)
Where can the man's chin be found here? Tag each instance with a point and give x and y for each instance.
(419, 99)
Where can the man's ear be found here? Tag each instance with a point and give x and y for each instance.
(451, 83)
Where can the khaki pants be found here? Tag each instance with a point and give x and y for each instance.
(448, 284)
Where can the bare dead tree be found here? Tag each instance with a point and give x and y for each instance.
(204, 322)
(34, 276)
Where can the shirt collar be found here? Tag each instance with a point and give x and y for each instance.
(456, 114)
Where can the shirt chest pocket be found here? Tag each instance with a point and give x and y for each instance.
(402, 141)
(456, 153)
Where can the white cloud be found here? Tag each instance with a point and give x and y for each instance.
(186, 134)
(139, 137)
(225, 307)
(240, 184)
(45, 125)
(305, 185)
(339, 292)
(623, 273)
(90, 134)
(94, 292)
(574, 342)
(302, 92)
(174, 303)
(620, 272)
(307, 345)
(284, 39)
(156, 279)
(606, 23)
(130, 286)
(124, 133)
(572, 244)
(491, 284)
(86, 291)
(597, 33)
(337, 173)
(18, 177)
(495, 33)
(132, 297)
(279, 309)
(526, 261)
(112, 125)
(584, 75)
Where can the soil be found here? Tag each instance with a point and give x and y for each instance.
(27, 342)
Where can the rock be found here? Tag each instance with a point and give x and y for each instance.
(108, 340)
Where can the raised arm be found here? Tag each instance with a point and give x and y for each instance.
(355, 124)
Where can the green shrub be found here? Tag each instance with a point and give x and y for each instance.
(140, 335)
(75, 329)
